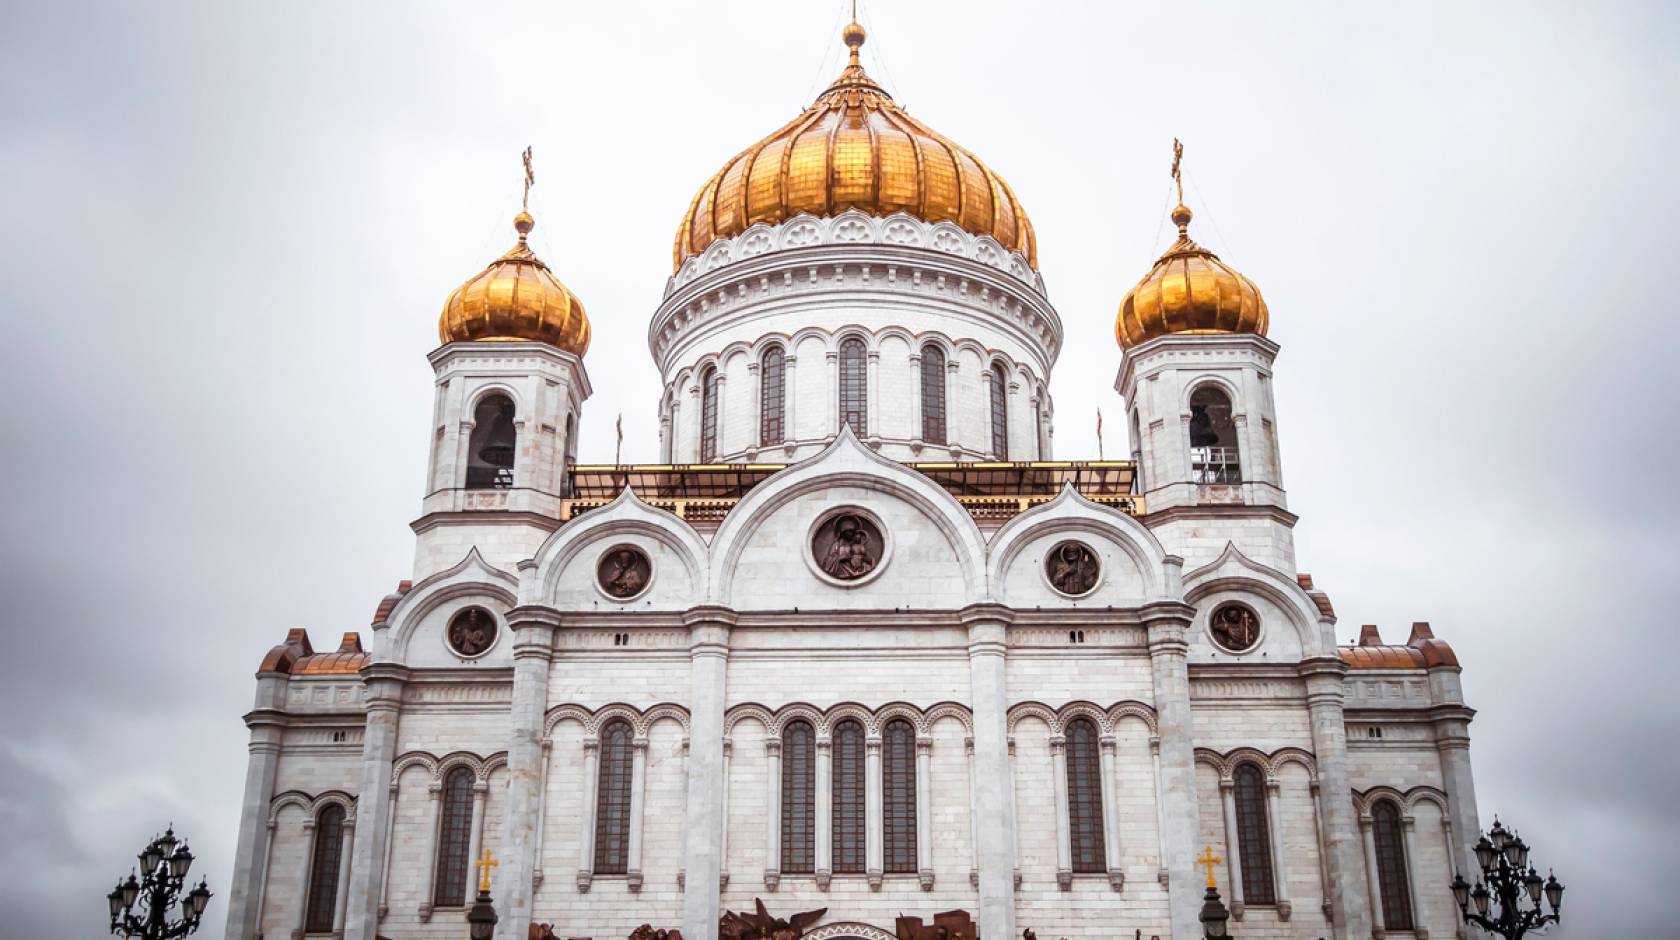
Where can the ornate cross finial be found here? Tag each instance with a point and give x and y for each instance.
(1209, 860)
(485, 863)
(530, 178)
(1178, 156)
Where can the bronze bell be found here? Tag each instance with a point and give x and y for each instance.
(1202, 433)
(498, 444)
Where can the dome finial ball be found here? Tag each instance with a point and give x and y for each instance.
(523, 223)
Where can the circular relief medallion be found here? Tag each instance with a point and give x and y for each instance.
(847, 546)
(1234, 627)
(1072, 568)
(624, 572)
(472, 631)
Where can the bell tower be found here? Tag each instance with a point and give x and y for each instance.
(510, 388)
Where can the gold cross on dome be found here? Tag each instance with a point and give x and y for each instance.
(1209, 860)
(484, 865)
(530, 178)
(1178, 180)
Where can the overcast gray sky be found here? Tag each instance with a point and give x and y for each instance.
(229, 229)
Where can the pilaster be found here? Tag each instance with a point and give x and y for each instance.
(1167, 622)
(384, 683)
(533, 629)
(267, 722)
(994, 789)
(703, 846)
(1350, 909)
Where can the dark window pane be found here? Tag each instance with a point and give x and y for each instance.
(854, 382)
(323, 869)
(898, 796)
(799, 786)
(1391, 866)
(1214, 457)
(848, 796)
(454, 833)
(933, 395)
(1084, 783)
(1253, 836)
(708, 415)
(1000, 414)
(771, 370)
(493, 444)
(612, 800)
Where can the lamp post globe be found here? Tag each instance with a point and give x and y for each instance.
(157, 904)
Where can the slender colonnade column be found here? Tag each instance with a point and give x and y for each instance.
(533, 652)
(703, 835)
(994, 789)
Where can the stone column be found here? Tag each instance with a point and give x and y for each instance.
(267, 721)
(390, 834)
(833, 358)
(533, 630)
(1323, 863)
(428, 851)
(1420, 917)
(1160, 820)
(1373, 890)
(825, 813)
(301, 918)
(1111, 813)
(954, 434)
(924, 817)
(475, 840)
(874, 843)
(638, 801)
(994, 787)
(1452, 744)
(916, 429)
(708, 769)
(722, 388)
(1166, 623)
(344, 871)
(1058, 789)
(1233, 853)
(773, 814)
(542, 810)
(723, 836)
(1350, 910)
(262, 889)
(872, 395)
(1280, 860)
(586, 836)
(790, 395)
(384, 684)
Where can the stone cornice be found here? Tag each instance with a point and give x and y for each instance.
(495, 517)
(1175, 348)
(1282, 517)
(516, 355)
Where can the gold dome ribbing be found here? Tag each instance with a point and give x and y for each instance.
(854, 148)
(516, 298)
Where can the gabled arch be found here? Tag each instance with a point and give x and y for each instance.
(1070, 511)
(748, 711)
(625, 515)
(1039, 710)
(471, 577)
(1236, 572)
(1130, 709)
(414, 759)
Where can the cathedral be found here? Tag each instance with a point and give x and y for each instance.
(860, 642)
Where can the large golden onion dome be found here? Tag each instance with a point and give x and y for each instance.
(854, 148)
(1189, 291)
(516, 298)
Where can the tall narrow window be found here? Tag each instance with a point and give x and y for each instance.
(1213, 438)
(933, 395)
(1038, 426)
(898, 796)
(612, 800)
(454, 833)
(850, 817)
(772, 389)
(708, 414)
(854, 386)
(323, 868)
(1000, 412)
(1085, 808)
(492, 444)
(799, 787)
(1391, 866)
(1254, 844)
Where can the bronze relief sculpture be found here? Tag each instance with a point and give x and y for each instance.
(759, 925)
(1072, 568)
(947, 925)
(1234, 627)
(472, 631)
(624, 572)
(847, 546)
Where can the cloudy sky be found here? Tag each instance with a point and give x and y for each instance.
(229, 229)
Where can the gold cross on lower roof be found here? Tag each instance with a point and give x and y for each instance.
(1209, 860)
(484, 865)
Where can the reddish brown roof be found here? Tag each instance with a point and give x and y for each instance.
(281, 658)
(1320, 599)
(1422, 650)
(296, 657)
(388, 603)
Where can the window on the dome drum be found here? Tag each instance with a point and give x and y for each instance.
(323, 868)
(453, 835)
(1254, 843)
(799, 787)
(933, 395)
(771, 403)
(708, 414)
(898, 797)
(1000, 413)
(1084, 783)
(612, 800)
(854, 386)
(1391, 866)
(848, 790)
(492, 445)
(1213, 438)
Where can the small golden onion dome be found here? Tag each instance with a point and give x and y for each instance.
(854, 148)
(516, 298)
(1189, 291)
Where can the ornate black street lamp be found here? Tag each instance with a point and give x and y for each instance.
(1214, 915)
(481, 919)
(163, 877)
(1507, 878)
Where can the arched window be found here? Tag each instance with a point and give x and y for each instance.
(772, 389)
(1085, 809)
(933, 394)
(612, 800)
(1213, 438)
(898, 796)
(323, 868)
(1391, 866)
(854, 386)
(799, 788)
(1254, 844)
(708, 414)
(454, 833)
(1000, 412)
(850, 819)
(1042, 405)
(491, 448)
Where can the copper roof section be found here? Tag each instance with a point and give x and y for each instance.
(297, 657)
(1320, 599)
(282, 657)
(1422, 650)
(389, 602)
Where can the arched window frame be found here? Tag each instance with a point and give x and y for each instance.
(999, 399)
(487, 476)
(898, 797)
(613, 798)
(1221, 463)
(1254, 841)
(1085, 797)
(799, 798)
(848, 794)
(709, 385)
(935, 428)
(853, 378)
(1393, 881)
(455, 822)
(326, 858)
(772, 396)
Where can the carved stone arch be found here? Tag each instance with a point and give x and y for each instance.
(625, 515)
(471, 577)
(1131, 709)
(848, 711)
(871, 341)
(493, 763)
(493, 387)
(296, 798)
(607, 713)
(904, 710)
(1423, 793)
(982, 352)
(1202, 380)
(566, 712)
(1235, 572)
(894, 331)
(1083, 709)
(765, 342)
(662, 711)
(1037, 710)
(1251, 755)
(1295, 755)
(1214, 759)
(414, 759)
(1072, 512)
(848, 931)
(749, 710)
(1366, 801)
(455, 759)
(800, 710)
(810, 332)
(955, 710)
(334, 798)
